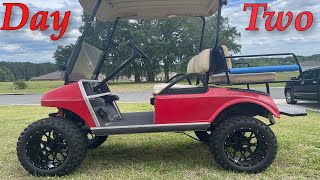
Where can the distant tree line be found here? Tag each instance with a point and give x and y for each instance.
(12, 71)
(5, 74)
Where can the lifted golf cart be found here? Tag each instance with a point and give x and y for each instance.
(223, 118)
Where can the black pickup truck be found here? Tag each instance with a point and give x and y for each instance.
(307, 89)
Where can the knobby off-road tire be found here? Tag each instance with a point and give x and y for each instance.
(93, 141)
(243, 144)
(203, 136)
(51, 147)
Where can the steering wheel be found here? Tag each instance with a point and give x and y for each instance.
(138, 52)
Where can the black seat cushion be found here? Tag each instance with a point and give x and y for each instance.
(217, 64)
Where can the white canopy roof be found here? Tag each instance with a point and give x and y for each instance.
(150, 9)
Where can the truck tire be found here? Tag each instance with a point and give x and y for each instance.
(51, 147)
(243, 144)
(289, 97)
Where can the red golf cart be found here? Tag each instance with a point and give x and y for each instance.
(223, 118)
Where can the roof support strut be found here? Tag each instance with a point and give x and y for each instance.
(217, 39)
(102, 60)
(202, 33)
(77, 49)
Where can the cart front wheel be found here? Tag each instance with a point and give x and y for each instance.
(51, 147)
(243, 144)
(93, 141)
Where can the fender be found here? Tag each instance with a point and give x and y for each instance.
(69, 97)
(268, 104)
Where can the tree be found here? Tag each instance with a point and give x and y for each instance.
(229, 35)
(27, 70)
(5, 75)
(170, 43)
(62, 54)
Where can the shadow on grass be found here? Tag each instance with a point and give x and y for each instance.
(176, 155)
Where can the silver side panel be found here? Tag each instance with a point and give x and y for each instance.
(152, 128)
(86, 99)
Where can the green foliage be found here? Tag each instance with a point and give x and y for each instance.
(62, 54)
(5, 74)
(27, 70)
(170, 43)
(19, 85)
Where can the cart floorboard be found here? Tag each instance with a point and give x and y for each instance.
(132, 119)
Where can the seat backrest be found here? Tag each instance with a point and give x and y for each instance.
(202, 62)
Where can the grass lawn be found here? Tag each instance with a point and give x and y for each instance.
(33, 87)
(166, 155)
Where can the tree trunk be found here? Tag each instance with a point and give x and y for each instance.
(137, 77)
(166, 71)
(151, 76)
(166, 75)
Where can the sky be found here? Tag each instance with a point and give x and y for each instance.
(35, 46)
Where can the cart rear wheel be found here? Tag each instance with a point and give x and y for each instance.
(203, 136)
(51, 147)
(243, 144)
